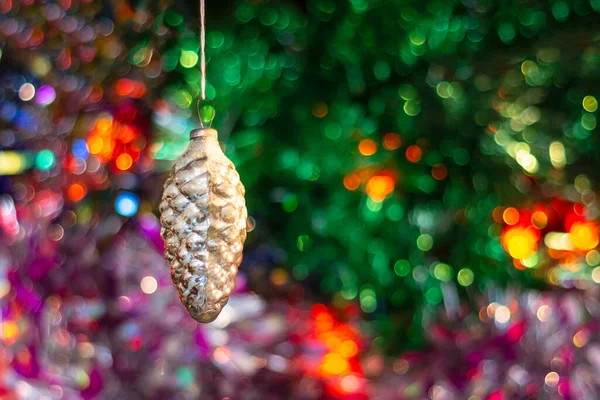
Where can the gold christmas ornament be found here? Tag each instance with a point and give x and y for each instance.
(203, 215)
(203, 218)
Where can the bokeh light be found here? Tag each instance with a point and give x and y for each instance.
(520, 242)
(367, 147)
(127, 204)
(379, 187)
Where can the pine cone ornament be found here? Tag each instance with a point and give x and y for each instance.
(203, 217)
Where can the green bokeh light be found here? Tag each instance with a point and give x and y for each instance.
(425, 242)
(45, 160)
(402, 267)
(442, 272)
(465, 277)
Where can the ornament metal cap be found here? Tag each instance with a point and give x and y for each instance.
(204, 133)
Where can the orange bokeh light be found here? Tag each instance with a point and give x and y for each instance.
(96, 94)
(520, 242)
(279, 276)
(76, 192)
(539, 219)
(9, 332)
(439, 172)
(139, 89)
(351, 181)
(334, 365)
(414, 153)
(584, 235)
(125, 134)
(124, 87)
(348, 348)
(37, 37)
(95, 144)
(103, 124)
(338, 363)
(323, 322)
(319, 110)
(116, 142)
(392, 141)
(367, 147)
(511, 216)
(497, 214)
(124, 162)
(379, 187)
(222, 354)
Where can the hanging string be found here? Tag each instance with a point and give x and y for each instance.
(206, 111)
(202, 56)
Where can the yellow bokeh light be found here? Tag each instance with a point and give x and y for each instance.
(334, 364)
(581, 338)
(528, 67)
(557, 155)
(592, 258)
(519, 242)
(12, 163)
(558, 241)
(9, 332)
(590, 103)
(188, 58)
(584, 235)
(95, 144)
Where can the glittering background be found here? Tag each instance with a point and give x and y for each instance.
(420, 181)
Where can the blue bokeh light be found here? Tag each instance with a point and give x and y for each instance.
(80, 149)
(127, 204)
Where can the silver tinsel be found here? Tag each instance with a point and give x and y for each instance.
(203, 217)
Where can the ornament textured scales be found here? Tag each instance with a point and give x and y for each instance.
(203, 218)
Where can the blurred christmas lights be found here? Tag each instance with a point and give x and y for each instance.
(404, 178)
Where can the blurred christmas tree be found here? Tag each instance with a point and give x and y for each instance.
(398, 155)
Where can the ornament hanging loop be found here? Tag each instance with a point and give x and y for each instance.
(206, 113)
(206, 110)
